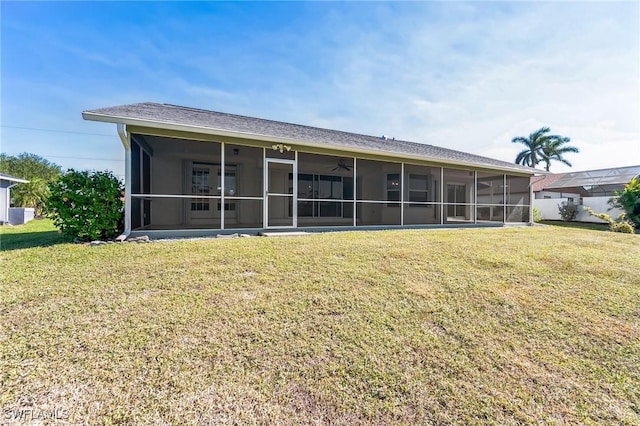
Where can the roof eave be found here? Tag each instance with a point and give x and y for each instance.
(87, 115)
(13, 179)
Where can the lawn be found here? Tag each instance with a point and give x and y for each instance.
(473, 326)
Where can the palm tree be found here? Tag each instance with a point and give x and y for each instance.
(542, 148)
(554, 149)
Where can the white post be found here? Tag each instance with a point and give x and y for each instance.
(441, 195)
(504, 198)
(294, 201)
(475, 196)
(355, 189)
(125, 138)
(265, 177)
(223, 173)
(401, 194)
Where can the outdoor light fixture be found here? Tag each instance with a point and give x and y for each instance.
(281, 147)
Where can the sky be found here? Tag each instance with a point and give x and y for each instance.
(468, 76)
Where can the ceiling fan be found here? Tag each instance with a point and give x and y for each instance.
(342, 165)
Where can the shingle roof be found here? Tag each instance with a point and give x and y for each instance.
(203, 121)
(541, 182)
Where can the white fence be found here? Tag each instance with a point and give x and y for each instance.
(548, 208)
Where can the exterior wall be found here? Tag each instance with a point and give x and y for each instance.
(4, 205)
(599, 205)
(551, 195)
(548, 208)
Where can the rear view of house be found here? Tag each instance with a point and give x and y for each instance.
(192, 172)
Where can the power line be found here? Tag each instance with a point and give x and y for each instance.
(72, 158)
(57, 131)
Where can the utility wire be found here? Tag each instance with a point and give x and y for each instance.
(72, 158)
(57, 131)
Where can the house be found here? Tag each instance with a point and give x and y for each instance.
(195, 172)
(590, 188)
(13, 216)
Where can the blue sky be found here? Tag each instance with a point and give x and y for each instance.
(464, 75)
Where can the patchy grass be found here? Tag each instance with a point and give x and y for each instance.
(581, 225)
(36, 233)
(475, 326)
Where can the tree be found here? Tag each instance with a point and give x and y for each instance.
(553, 149)
(629, 200)
(542, 148)
(38, 171)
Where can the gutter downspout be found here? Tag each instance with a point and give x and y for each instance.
(124, 138)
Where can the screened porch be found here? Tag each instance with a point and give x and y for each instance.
(180, 184)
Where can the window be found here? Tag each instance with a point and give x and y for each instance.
(419, 189)
(229, 181)
(393, 187)
(200, 184)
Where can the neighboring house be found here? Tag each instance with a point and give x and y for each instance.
(13, 216)
(192, 172)
(591, 188)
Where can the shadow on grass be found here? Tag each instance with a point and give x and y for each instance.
(25, 240)
(580, 225)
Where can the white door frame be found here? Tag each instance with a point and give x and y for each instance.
(294, 196)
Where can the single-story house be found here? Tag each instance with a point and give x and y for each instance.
(195, 172)
(16, 216)
(590, 188)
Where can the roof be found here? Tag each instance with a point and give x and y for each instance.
(542, 182)
(590, 178)
(12, 178)
(218, 123)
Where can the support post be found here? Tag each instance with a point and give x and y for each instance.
(126, 143)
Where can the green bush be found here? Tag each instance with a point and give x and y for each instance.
(86, 205)
(624, 227)
(568, 211)
(537, 216)
(619, 225)
(629, 201)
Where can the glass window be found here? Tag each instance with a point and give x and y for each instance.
(393, 187)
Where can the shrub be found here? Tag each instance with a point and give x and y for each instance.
(629, 201)
(568, 211)
(618, 225)
(537, 216)
(86, 205)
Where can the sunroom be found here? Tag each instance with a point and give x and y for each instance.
(194, 172)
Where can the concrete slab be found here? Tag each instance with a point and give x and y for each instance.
(283, 234)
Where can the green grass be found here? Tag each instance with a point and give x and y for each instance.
(475, 326)
(36, 233)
